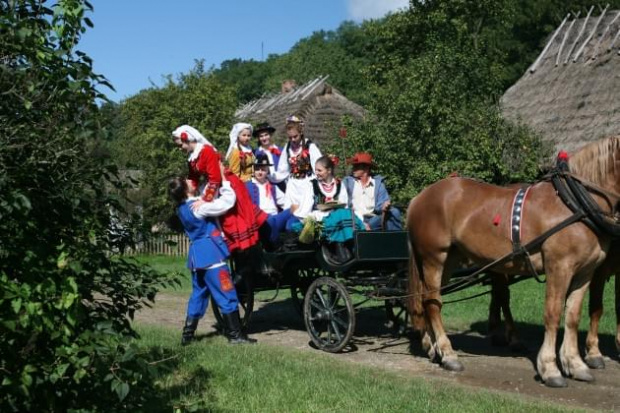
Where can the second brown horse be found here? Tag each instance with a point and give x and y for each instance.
(458, 221)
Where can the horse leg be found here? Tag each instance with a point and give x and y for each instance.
(512, 337)
(432, 307)
(594, 359)
(557, 285)
(500, 303)
(498, 286)
(571, 361)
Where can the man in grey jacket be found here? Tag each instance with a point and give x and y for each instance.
(369, 197)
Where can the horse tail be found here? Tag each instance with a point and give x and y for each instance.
(415, 287)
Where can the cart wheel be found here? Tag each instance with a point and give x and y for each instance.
(397, 315)
(396, 308)
(329, 314)
(245, 293)
(299, 287)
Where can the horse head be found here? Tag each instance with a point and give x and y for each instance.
(599, 163)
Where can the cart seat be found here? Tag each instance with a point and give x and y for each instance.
(381, 246)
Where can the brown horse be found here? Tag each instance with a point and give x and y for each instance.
(594, 359)
(460, 221)
(500, 303)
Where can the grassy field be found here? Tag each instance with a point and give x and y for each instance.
(214, 376)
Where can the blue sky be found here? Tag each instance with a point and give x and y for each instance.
(135, 43)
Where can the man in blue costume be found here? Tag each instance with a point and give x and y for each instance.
(269, 198)
(207, 260)
(369, 197)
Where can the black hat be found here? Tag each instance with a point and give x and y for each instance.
(262, 160)
(261, 127)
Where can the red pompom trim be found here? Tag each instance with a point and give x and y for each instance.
(184, 136)
(563, 156)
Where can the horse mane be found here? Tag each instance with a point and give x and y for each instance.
(596, 161)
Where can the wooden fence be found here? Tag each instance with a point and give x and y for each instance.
(171, 244)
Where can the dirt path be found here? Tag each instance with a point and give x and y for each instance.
(489, 367)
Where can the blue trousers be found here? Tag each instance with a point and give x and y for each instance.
(392, 223)
(216, 282)
(275, 224)
(292, 220)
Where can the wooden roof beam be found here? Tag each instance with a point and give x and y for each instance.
(583, 28)
(583, 46)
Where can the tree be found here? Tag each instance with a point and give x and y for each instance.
(65, 300)
(435, 111)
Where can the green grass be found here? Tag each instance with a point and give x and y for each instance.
(527, 304)
(211, 375)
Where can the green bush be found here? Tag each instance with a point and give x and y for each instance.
(65, 301)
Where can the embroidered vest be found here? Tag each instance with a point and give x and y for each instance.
(319, 197)
(300, 166)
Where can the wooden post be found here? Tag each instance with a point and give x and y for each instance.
(600, 40)
(611, 45)
(566, 34)
(533, 67)
(583, 28)
(583, 46)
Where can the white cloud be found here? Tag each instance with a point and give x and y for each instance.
(372, 9)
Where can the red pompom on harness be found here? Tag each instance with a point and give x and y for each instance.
(497, 219)
(184, 137)
(563, 156)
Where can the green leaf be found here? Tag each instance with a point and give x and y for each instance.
(16, 305)
(122, 390)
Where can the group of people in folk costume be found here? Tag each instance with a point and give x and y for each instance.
(265, 194)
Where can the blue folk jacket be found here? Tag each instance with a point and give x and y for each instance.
(381, 193)
(207, 247)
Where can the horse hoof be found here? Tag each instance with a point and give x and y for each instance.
(595, 362)
(556, 382)
(452, 365)
(583, 375)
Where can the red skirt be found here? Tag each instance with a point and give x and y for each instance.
(240, 224)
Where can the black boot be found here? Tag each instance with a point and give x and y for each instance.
(189, 329)
(233, 330)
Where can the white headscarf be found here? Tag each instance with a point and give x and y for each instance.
(192, 134)
(234, 136)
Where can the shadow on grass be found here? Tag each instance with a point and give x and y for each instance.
(191, 390)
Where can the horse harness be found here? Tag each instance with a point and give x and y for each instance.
(574, 192)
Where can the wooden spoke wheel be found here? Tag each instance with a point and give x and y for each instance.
(300, 286)
(329, 314)
(245, 293)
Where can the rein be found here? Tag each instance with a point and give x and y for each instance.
(574, 193)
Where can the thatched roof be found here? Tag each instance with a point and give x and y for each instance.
(571, 93)
(319, 104)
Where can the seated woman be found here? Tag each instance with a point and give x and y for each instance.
(270, 199)
(207, 259)
(326, 202)
(296, 166)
